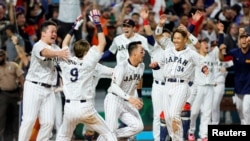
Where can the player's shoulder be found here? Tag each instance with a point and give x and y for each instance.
(139, 36)
(120, 36)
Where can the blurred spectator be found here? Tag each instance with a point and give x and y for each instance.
(11, 84)
(124, 10)
(109, 39)
(209, 30)
(35, 14)
(158, 7)
(69, 10)
(172, 18)
(245, 17)
(10, 31)
(237, 8)
(4, 20)
(138, 22)
(184, 20)
(179, 5)
(231, 37)
(226, 16)
(152, 22)
(26, 31)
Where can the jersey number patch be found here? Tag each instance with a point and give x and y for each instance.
(74, 74)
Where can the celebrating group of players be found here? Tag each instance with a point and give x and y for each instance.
(183, 67)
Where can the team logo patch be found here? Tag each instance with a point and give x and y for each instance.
(247, 60)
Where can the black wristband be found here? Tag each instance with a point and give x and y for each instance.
(139, 93)
(99, 28)
(71, 32)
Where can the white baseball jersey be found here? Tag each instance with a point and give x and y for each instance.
(120, 45)
(77, 75)
(38, 100)
(180, 64)
(123, 85)
(178, 71)
(42, 69)
(204, 97)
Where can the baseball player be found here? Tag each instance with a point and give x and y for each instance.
(241, 61)
(77, 75)
(179, 62)
(38, 95)
(220, 74)
(121, 102)
(163, 38)
(158, 77)
(205, 81)
(120, 43)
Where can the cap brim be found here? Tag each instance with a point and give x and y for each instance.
(126, 24)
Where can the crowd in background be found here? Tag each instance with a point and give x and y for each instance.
(22, 18)
(25, 16)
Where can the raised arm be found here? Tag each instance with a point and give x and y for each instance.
(75, 27)
(95, 18)
(144, 12)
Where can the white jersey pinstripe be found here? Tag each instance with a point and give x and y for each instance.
(75, 69)
(42, 69)
(36, 96)
(79, 91)
(123, 85)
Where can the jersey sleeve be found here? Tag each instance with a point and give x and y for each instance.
(37, 48)
(117, 79)
(113, 47)
(102, 71)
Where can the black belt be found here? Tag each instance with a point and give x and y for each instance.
(175, 80)
(159, 82)
(43, 84)
(81, 101)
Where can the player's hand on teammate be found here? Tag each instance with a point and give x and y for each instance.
(78, 22)
(94, 16)
(64, 54)
(136, 102)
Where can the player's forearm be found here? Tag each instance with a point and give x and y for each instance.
(48, 53)
(118, 91)
(101, 41)
(66, 40)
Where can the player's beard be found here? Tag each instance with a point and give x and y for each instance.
(2, 62)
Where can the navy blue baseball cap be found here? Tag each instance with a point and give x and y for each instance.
(129, 22)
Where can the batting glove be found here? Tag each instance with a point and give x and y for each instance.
(95, 16)
(78, 22)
